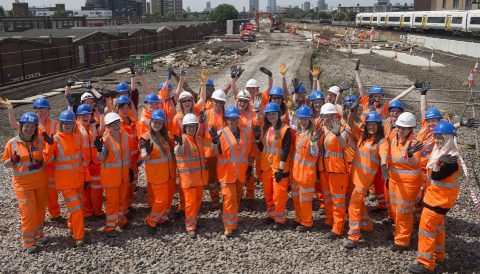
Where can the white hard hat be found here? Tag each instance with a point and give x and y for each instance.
(328, 108)
(185, 94)
(189, 118)
(243, 94)
(406, 119)
(219, 95)
(86, 96)
(111, 117)
(334, 89)
(252, 83)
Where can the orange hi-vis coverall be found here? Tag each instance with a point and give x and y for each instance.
(248, 120)
(193, 175)
(168, 106)
(131, 131)
(403, 186)
(367, 107)
(177, 123)
(93, 191)
(304, 175)
(160, 170)
(71, 173)
(275, 151)
(115, 177)
(233, 159)
(214, 120)
(30, 186)
(440, 197)
(366, 163)
(390, 131)
(332, 165)
(53, 206)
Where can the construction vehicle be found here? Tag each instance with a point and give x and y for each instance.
(276, 21)
(247, 32)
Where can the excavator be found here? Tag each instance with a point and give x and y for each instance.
(276, 21)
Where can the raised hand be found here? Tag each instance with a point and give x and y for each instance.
(239, 72)
(295, 83)
(316, 136)
(100, 106)
(131, 66)
(6, 103)
(202, 116)
(70, 82)
(183, 72)
(470, 123)
(357, 65)
(215, 136)
(48, 139)
(257, 103)
(283, 69)
(15, 158)
(257, 132)
(233, 71)
(335, 127)
(178, 139)
(266, 71)
(385, 174)
(204, 75)
(315, 71)
(98, 143)
(411, 149)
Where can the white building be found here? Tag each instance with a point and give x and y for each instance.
(93, 13)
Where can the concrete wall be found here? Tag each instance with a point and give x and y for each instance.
(457, 47)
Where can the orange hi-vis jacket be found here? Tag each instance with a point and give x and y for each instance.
(425, 136)
(143, 125)
(131, 131)
(191, 166)
(332, 157)
(233, 161)
(168, 106)
(50, 127)
(398, 163)
(177, 123)
(160, 164)
(272, 151)
(366, 161)
(304, 168)
(367, 107)
(389, 129)
(214, 120)
(443, 193)
(24, 177)
(70, 167)
(114, 169)
(248, 119)
(88, 138)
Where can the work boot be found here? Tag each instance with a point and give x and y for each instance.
(378, 210)
(321, 211)
(42, 241)
(112, 233)
(101, 216)
(332, 235)
(120, 229)
(387, 221)
(349, 244)
(32, 249)
(278, 226)
(249, 203)
(395, 248)
(179, 214)
(269, 220)
(58, 219)
(150, 229)
(79, 242)
(302, 228)
(418, 268)
(191, 234)
(228, 233)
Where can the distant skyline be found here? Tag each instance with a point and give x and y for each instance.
(199, 5)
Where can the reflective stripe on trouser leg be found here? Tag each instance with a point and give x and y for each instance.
(73, 202)
(96, 192)
(267, 182)
(295, 192)
(193, 200)
(391, 199)
(53, 205)
(230, 205)
(355, 210)
(28, 207)
(123, 205)
(405, 196)
(306, 199)
(41, 198)
(327, 197)
(440, 241)
(427, 235)
(213, 186)
(338, 183)
(161, 204)
(318, 191)
(112, 206)
(379, 185)
(280, 198)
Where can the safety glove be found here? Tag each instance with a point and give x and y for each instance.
(448, 159)
(357, 65)
(266, 71)
(202, 116)
(233, 71)
(335, 127)
(178, 139)
(283, 69)
(278, 175)
(98, 143)
(355, 104)
(48, 139)
(385, 175)
(15, 158)
(101, 106)
(239, 73)
(36, 165)
(316, 136)
(148, 147)
(70, 82)
(257, 132)
(315, 71)
(87, 85)
(204, 76)
(423, 86)
(131, 66)
(470, 123)
(411, 149)
(174, 74)
(215, 136)
(257, 103)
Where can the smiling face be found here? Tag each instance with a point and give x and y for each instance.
(304, 122)
(272, 117)
(330, 98)
(232, 122)
(67, 126)
(372, 128)
(252, 91)
(317, 104)
(328, 119)
(156, 125)
(218, 105)
(187, 104)
(89, 102)
(27, 130)
(124, 110)
(114, 127)
(191, 129)
(276, 99)
(377, 99)
(242, 104)
(439, 140)
(84, 119)
(394, 113)
(403, 132)
(432, 123)
(152, 106)
(42, 113)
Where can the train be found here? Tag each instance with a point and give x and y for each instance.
(444, 21)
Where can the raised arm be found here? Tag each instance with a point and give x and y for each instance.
(180, 85)
(11, 114)
(283, 70)
(405, 92)
(361, 88)
(203, 89)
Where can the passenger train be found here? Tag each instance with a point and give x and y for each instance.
(451, 21)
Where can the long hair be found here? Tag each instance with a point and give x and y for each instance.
(310, 127)
(283, 106)
(276, 127)
(163, 133)
(34, 136)
(377, 137)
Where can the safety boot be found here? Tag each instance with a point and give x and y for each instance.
(387, 221)
(32, 249)
(418, 268)
(395, 248)
(42, 241)
(79, 242)
(349, 244)
(302, 228)
(278, 226)
(332, 235)
(150, 229)
(228, 233)
(58, 219)
(191, 234)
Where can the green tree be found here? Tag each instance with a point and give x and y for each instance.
(60, 14)
(339, 16)
(170, 16)
(221, 14)
(2, 11)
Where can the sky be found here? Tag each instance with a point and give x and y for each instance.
(199, 5)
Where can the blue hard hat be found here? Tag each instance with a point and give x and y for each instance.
(122, 87)
(122, 100)
(272, 107)
(349, 100)
(67, 116)
(29, 117)
(396, 104)
(376, 90)
(433, 113)
(151, 98)
(317, 94)
(41, 103)
(304, 112)
(209, 82)
(232, 112)
(84, 109)
(301, 89)
(443, 127)
(373, 116)
(276, 91)
(158, 115)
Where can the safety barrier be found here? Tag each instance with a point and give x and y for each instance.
(454, 46)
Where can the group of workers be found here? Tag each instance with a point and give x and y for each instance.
(337, 149)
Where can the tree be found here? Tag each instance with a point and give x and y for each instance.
(339, 16)
(170, 16)
(2, 11)
(221, 14)
(60, 14)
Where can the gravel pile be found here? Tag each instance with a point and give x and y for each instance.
(256, 248)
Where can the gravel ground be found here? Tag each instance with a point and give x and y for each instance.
(256, 248)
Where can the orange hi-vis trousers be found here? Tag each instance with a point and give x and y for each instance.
(93, 193)
(318, 192)
(73, 201)
(336, 209)
(232, 193)
(276, 196)
(379, 185)
(116, 204)
(162, 202)
(358, 219)
(431, 238)
(32, 204)
(193, 202)
(302, 196)
(53, 206)
(213, 185)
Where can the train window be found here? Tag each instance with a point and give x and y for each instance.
(382, 18)
(374, 18)
(436, 20)
(365, 18)
(418, 19)
(406, 19)
(475, 21)
(457, 20)
(394, 19)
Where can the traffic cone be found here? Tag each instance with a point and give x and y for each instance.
(476, 68)
(471, 78)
